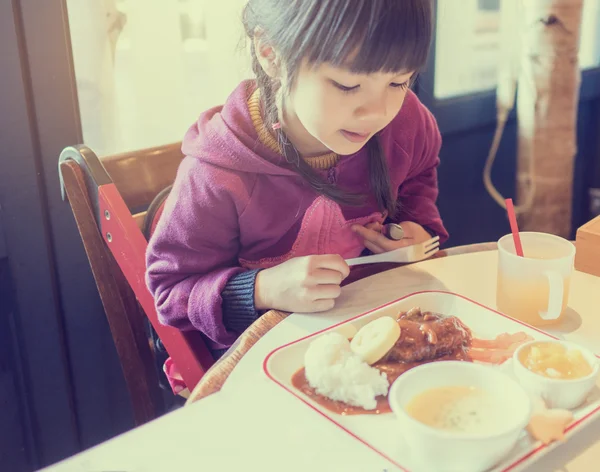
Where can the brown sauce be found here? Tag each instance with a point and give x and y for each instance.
(393, 371)
(299, 381)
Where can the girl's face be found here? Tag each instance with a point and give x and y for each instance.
(332, 108)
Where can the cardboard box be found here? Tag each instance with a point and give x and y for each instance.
(587, 258)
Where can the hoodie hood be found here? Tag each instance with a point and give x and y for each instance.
(225, 136)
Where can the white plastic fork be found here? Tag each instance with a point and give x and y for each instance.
(414, 253)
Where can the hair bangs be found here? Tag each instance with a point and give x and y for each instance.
(366, 36)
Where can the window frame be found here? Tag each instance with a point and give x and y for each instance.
(478, 109)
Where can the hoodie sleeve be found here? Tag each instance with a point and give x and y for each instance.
(192, 255)
(418, 194)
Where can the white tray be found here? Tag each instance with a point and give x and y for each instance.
(381, 433)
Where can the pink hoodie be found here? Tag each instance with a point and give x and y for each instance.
(235, 207)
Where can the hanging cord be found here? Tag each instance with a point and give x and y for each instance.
(505, 102)
(489, 164)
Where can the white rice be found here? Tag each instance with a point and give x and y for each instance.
(334, 371)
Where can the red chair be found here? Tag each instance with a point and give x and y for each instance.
(110, 198)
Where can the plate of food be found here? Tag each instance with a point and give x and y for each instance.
(435, 381)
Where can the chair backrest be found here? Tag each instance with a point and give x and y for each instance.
(109, 198)
(141, 175)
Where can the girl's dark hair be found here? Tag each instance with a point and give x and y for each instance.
(365, 35)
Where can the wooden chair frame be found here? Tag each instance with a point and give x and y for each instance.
(116, 248)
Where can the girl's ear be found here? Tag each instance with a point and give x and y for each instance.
(266, 54)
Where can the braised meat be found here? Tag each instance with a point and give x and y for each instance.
(426, 335)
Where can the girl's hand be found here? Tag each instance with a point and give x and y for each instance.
(377, 243)
(304, 284)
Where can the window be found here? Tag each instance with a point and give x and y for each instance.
(146, 69)
(467, 44)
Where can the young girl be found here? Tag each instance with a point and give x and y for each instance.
(300, 168)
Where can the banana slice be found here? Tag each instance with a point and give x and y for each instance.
(347, 330)
(375, 339)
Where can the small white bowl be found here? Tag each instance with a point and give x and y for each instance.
(447, 451)
(557, 393)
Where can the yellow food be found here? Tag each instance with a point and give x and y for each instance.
(375, 339)
(555, 361)
(347, 330)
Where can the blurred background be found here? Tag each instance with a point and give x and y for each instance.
(124, 75)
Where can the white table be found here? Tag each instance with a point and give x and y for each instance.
(252, 424)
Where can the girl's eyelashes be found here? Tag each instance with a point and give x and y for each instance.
(348, 89)
(344, 88)
(403, 85)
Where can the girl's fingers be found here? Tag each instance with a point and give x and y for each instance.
(373, 237)
(333, 262)
(375, 226)
(325, 292)
(322, 305)
(374, 248)
(326, 277)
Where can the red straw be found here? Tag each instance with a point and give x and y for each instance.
(512, 217)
